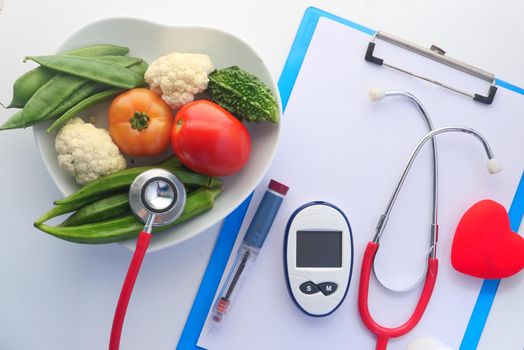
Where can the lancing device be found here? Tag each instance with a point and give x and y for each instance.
(247, 253)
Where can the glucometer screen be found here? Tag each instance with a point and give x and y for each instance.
(319, 248)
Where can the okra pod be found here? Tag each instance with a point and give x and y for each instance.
(128, 227)
(121, 180)
(64, 209)
(100, 210)
(71, 206)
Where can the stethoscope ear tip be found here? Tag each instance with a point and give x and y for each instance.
(376, 94)
(494, 166)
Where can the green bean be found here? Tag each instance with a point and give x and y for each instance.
(50, 96)
(91, 101)
(44, 101)
(124, 61)
(74, 101)
(98, 50)
(80, 94)
(103, 209)
(27, 84)
(91, 87)
(16, 121)
(139, 69)
(129, 227)
(64, 92)
(121, 180)
(92, 69)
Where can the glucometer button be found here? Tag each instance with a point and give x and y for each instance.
(309, 288)
(327, 288)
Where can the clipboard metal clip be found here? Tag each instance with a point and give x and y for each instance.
(437, 54)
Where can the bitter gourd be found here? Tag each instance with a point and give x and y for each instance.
(243, 94)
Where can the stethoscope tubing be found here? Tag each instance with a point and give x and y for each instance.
(382, 333)
(127, 288)
(151, 217)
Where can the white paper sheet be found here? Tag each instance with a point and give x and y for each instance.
(339, 147)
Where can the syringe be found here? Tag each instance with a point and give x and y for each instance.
(250, 247)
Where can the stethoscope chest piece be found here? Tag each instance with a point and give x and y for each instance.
(157, 193)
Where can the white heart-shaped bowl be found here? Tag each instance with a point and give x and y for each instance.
(149, 40)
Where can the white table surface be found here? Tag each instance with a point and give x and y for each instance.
(58, 295)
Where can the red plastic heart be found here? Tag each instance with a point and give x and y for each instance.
(484, 245)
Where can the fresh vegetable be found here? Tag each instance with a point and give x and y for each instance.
(70, 206)
(208, 139)
(98, 50)
(100, 210)
(87, 153)
(90, 101)
(140, 122)
(65, 208)
(80, 94)
(178, 77)
(128, 227)
(81, 104)
(63, 92)
(243, 94)
(50, 96)
(27, 84)
(91, 68)
(122, 61)
(122, 180)
(16, 121)
(139, 68)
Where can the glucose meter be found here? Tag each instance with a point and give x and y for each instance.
(318, 257)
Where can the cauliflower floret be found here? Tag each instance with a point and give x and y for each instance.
(178, 77)
(86, 152)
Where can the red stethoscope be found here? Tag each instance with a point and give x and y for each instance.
(384, 334)
(157, 198)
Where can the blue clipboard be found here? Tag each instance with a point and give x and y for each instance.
(231, 226)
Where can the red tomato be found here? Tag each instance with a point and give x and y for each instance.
(140, 122)
(210, 140)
